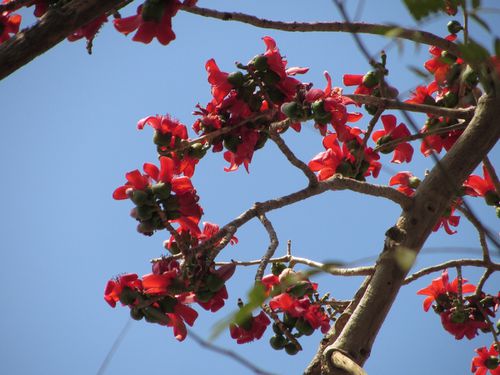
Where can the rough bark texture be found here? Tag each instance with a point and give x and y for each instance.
(52, 28)
(412, 230)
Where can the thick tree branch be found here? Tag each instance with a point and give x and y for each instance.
(418, 36)
(52, 28)
(414, 227)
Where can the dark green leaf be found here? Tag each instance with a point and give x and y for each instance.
(481, 22)
(422, 8)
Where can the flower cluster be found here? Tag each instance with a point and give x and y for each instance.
(460, 316)
(247, 102)
(477, 186)
(486, 360)
(163, 296)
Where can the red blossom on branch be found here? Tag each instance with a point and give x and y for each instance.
(486, 360)
(9, 25)
(403, 151)
(252, 329)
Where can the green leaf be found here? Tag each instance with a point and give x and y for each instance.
(473, 52)
(422, 8)
(497, 47)
(481, 22)
(419, 72)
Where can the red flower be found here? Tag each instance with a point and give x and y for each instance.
(407, 182)
(326, 162)
(291, 305)
(216, 302)
(468, 328)
(244, 152)
(403, 151)
(158, 283)
(423, 94)
(88, 31)
(446, 221)
(440, 286)
(253, 329)
(437, 65)
(153, 19)
(333, 103)
(317, 318)
(135, 180)
(181, 314)
(9, 25)
(210, 230)
(357, 80)
(480, 187)
(220, 85)
(486, 360)
(114, 288)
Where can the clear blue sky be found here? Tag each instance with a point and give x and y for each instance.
(69, 134)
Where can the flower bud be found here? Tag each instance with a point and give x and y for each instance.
(259, 62)
(236, 79)
(454, 27)
(291, 349)
(370, 79)
(167, 304)
(136, 313)
(231, 143)
(162, 139)
(161, 190)
(128, 296)
(204, 295)
(491, 198)
(139, 197)
(197, 151)
(277, 342)
(304, 327)
(214, 283)
(152, 10)
(145, 212)
(289, 321)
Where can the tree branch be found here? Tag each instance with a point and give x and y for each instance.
(451, 264)
(418, 36)
(414, 226)
(464, 113)
(52, 28)
(273, 244)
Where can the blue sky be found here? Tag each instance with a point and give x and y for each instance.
(68, 136)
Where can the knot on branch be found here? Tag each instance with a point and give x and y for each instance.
(339, 362)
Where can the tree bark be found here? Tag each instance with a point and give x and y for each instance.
(413, 228)
(52, 28)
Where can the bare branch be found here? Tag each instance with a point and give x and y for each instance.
(228, 353)
(413, 137)
(366, 138)
(313, 180)
(451, 264)
(464, 113)
(273, 238)
(482, 237)
(479, 288)
(418, 36)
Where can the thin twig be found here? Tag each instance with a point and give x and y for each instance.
(296, 162)
(282, 327)
(450, 264)
(331, 269)
(463, 113)
(418, 36)
(369, 130)
(479, 288)
(490, 324)
(413, 137)
(116, 344)
(480, 231)
(227, 353)
(273, 244)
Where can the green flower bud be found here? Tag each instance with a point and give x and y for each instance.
(304, 327)
(145, 212)
(146, 228)
(161, 139)
(231, 143)
(128, 296)
(277, 342)
(139, 197)
(167, 304)
(136, 313)
(370, 79)
(345, 169)
(259, 62)
(236, 79)
(152, 10)
(277, 268)
(270, 78)
(454, 27)
(161, 190)
(291, 349)
(300, 289)
(413, 182)
(491, 363)
(450, 99)
(491, 198)
(448, 57)
(204, 295)
(371, 109)
(197, 151)
(275, 95)
(171, 203)
(458, 317)
(214, 283)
